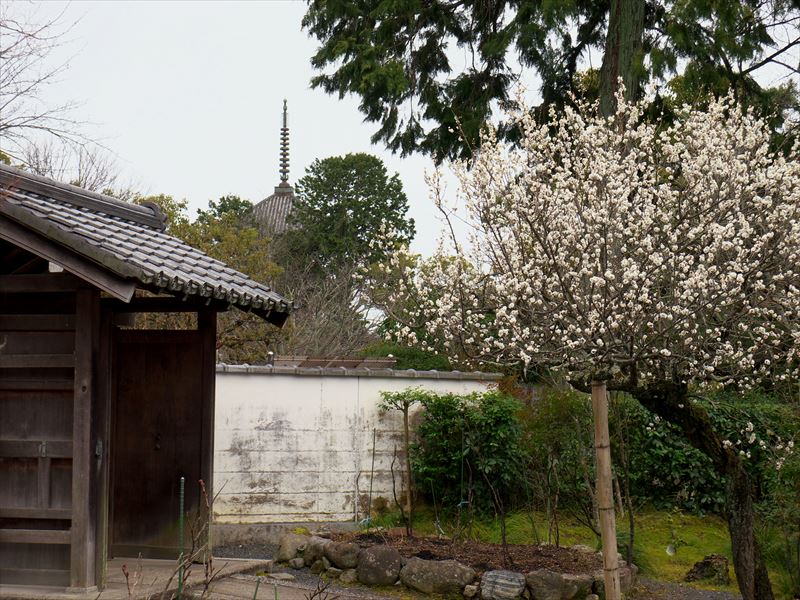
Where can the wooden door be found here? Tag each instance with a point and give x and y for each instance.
(159, 397)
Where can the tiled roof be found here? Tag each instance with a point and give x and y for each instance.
(272, 213)
(130, 241)
(357, 372)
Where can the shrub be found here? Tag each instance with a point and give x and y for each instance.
(469, 448)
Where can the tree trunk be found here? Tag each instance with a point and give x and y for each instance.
(407, 443)
(671, 402)
(623, 52)
(605, 498)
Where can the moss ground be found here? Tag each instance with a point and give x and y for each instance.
(688, 537)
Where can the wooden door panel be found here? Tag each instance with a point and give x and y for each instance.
(157, 438)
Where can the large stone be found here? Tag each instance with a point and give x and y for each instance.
(627, 578)
(289, 545)
(315, 550)
(333, 572)
(297, 563)
(317, 567)
(470, 591)
(343, 555)
(546, 585)
(348, 576)
(435, 576)
(713, 566)
(502, 585)
(379, 565)
(575, 587)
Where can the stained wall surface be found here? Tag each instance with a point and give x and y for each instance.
(296, 445)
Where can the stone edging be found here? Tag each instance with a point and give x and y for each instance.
(382, 565)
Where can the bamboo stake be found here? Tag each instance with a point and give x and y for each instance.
(605, 495)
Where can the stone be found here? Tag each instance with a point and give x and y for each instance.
(378, 565)
(627, 578)
(323, 532)
(348, 576)
(436, 576)
(592, 597)
(583, 548)
(545, 585)
(326, 563)
(343, 554)
(317, 567)
(281, 576)
(502, 585)
(297, 563)
(315, 550)
(333, 572)
(470, 591)
(713, 566)
(290, 545)
(575, 587)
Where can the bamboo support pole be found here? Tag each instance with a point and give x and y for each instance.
(605, 494)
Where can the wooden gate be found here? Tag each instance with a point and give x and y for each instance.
(160, 401)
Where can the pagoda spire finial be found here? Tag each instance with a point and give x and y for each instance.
(284, 154)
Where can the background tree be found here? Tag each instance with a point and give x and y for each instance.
(87, 166)
(661, 258)
(343, 205)
(224, 231)
(26, 45)
(430, 73)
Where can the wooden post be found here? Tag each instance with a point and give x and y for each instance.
(82, 532)
(605, 496)
(207, 326)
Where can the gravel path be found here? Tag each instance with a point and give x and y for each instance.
(303, 578)
(646, 589)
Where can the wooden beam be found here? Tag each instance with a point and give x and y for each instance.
(48, 577)
(82, 555)
(36, 322)
(71, 261)
(149, 304)
(64, 514)
(11, 361)
(35, 449)
(35, 536)
(41, 282)
(28, 383)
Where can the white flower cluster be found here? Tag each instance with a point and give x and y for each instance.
(617, 245)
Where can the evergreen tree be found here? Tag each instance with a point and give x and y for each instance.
(429, 72)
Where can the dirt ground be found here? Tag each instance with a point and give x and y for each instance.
(486, 557)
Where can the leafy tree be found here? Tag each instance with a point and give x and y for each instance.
(222, 232)
(228, 208)
(429, 73)
(408, 357)
(344, 204)
(659, 258)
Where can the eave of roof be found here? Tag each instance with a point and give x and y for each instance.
(130, 242)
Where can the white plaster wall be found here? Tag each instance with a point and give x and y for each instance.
(295, 448)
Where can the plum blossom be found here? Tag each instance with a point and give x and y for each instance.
(618, 246)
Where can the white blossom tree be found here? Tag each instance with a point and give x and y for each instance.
(656, 257)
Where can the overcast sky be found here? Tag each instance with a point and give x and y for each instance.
(189, 97)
